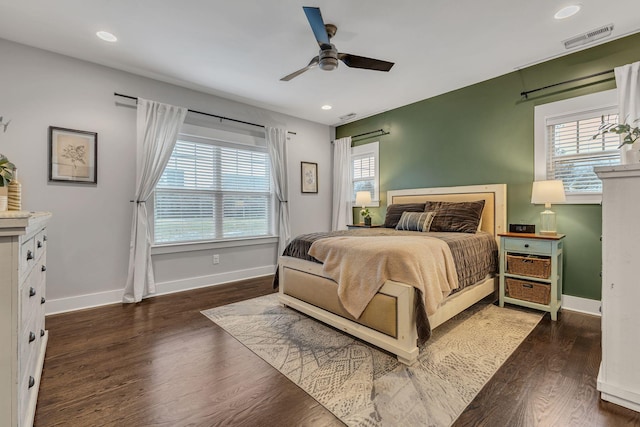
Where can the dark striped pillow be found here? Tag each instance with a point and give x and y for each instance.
(394, 212)
(462, 217)
(415, 221)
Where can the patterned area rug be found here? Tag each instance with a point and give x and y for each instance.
(364, 386)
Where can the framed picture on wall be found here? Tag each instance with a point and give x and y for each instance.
(309, 176)
(73, 155)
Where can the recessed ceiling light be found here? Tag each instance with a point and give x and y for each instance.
(568, 11)
(107, 36)
(326, 107)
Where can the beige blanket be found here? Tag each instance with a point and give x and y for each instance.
(361, 265)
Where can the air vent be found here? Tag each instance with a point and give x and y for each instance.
(348, 117)
(589, 37)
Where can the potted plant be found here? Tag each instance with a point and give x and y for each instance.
(631, 134)
(6, 170)
(6, 175)
(366, 215)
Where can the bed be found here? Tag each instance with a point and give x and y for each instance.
(391, 320)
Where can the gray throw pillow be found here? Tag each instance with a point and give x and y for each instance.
(394, 212)
(462, 217)
(415, 221)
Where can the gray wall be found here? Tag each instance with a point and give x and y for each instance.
(89, 233)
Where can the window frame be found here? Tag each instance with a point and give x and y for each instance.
(372, 148)
(220, 138)
(598, 103)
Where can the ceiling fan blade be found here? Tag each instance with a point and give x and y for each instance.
(312, 63)
(355, 61)
(317, 25)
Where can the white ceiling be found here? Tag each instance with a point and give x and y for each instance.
(239, 49)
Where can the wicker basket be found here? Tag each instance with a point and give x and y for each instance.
(528, 291)
(529, 265)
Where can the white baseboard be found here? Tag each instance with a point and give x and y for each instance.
(80, 302)
(616, 394)
(581, 305)
(214, 279)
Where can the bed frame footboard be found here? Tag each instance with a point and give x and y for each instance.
(403, 345)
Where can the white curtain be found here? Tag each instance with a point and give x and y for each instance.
(342, 213)
(277, 147)
(157, 130)
(628, 84)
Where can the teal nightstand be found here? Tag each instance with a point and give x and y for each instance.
(531, 271)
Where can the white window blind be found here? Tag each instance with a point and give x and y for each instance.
(574, 152)
(365, 170)
(364, 174)
(212, 192)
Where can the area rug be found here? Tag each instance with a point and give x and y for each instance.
(365, 386)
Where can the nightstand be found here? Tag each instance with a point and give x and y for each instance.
(531, 271)
(361, 225)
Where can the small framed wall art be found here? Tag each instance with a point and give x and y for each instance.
(309, 175)
(73, 155)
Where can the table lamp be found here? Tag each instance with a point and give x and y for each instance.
(548, 192)
(363, 198)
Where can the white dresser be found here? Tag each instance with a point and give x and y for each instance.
(619, 376)
(23, 247)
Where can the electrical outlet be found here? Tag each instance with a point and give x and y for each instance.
(216, 259)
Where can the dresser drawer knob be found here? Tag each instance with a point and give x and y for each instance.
(32, 292)
(42, 300)
(39, 244)
(29, 255)
(32, 381)
(526, 245)
(41, 332)
(32, 336)
(44, 268)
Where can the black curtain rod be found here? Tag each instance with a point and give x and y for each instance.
(526, 93)
(205, 114)
(382, 132)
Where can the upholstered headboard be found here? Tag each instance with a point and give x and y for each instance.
(494, 215)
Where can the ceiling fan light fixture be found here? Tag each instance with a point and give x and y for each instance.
(567, 11)
(328, 58)
(328, 64)
(326, 107)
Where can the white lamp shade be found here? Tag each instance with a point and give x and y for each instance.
(546, 192)
(363, 198)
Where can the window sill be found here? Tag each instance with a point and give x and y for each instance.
(214, 244)
(373, 204)
(584, 199)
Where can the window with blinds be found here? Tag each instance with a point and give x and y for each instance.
(364, 174)
(575, 148)
(213, 192)
(364, 168)
(567, 144)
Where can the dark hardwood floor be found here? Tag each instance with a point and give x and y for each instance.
(162, 363)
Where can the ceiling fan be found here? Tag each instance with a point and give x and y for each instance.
(328, 57)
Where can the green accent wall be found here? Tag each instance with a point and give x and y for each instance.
(483, 134)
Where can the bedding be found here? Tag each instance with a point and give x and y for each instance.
(475, 255)
(361, 265)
